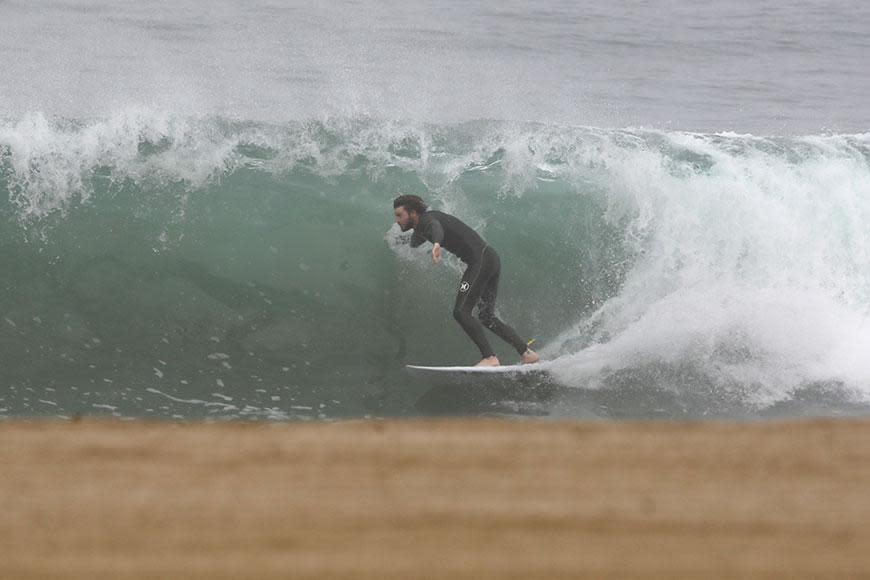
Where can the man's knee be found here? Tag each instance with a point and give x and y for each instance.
(486, 317)
(460, 315)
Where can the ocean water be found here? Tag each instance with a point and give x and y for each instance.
(196, 219)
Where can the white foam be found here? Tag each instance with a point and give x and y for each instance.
(53, 161)
(754, 268)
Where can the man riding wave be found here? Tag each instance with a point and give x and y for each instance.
(479, 284)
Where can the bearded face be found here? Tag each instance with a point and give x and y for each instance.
(404, 218)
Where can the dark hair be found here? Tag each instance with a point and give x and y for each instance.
(410, 203)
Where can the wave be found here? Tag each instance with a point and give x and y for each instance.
(730, 270)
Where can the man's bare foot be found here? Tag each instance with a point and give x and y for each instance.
(491, 361)
(530, 357)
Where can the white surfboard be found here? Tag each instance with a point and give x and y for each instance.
(481, 375)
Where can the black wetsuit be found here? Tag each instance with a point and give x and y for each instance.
(479, 285)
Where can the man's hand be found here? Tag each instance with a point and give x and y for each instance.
(436, 253)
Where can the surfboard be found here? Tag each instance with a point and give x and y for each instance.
(482, 375)
(502, 369)
(473, 389)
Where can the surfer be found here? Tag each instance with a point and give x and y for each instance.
(479, 284)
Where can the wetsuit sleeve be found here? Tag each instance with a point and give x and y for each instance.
(435, 233)
(431, 231)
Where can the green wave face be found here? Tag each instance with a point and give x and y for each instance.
(178, 267)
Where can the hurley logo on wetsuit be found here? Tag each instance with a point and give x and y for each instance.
(464, 287)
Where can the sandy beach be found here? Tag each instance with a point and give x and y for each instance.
(470, 499)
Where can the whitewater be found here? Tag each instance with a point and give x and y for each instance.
(196, 206)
